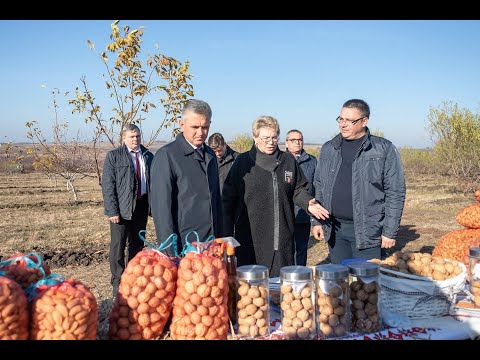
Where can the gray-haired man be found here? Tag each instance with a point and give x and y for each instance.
(185, 191)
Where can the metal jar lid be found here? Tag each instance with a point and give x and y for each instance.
(296, 272)
(331, 272)
(475, 252)
(364, 268)
(252, 272)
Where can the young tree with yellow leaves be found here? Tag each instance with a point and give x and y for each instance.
(132, 84)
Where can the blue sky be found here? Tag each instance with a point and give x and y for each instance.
(298, 71)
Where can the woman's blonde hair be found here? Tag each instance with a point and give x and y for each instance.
(265, 121)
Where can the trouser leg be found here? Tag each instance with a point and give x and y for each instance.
(370, 253)
(118, 238)
(340, 242)
(302, 236)
(138, 223)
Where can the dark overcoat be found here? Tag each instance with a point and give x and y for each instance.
(225, 164)
(259, 209)
(185, 192)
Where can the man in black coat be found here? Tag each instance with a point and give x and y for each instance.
(126, 174)
(225, 156)
(185, 191)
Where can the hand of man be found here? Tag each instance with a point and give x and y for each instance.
(317, 210)
(114, 219)
(317, 232)
(387, 243)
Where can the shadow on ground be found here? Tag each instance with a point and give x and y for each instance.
(406, 234)
(104, 310)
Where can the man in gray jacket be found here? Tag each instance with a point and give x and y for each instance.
(125, 196)
(308, 163)
(359, 179)
(185, 191)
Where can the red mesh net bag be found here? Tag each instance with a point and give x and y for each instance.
(25, 269)
(454, 244)
(469, 216)
(13, 311)
(145, 296)
(200, 308)
(63, 310)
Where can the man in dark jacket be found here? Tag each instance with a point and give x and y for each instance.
(126, 174)
(308, 163)
(359, 179)
(225, 156)
(185, 191)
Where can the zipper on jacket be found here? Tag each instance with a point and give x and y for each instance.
(356, 221)
(276, 215)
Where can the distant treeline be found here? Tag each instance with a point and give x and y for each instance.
(455, 152)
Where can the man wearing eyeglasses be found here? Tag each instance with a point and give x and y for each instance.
(307, 162)
(359, 179)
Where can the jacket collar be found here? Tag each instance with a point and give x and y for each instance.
(188, 149)
(227, 156)
(337, 140)
(302, 157)
(253, 155)
(143, 148)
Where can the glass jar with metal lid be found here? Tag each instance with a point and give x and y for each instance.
(253, 302)
(333, 309)
(365, 296)
(474, 271)
(297, 302)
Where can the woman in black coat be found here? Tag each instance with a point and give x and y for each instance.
(258, 200)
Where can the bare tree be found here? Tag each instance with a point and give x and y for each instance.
(70, 159)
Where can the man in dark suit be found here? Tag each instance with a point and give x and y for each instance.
(125, 185)
(184, 190)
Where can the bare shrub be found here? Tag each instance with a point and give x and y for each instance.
(241, 143)
(418, 161)
(70, 159)
(312, 150)
(456, 135)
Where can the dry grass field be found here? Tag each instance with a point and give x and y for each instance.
(36, 215)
